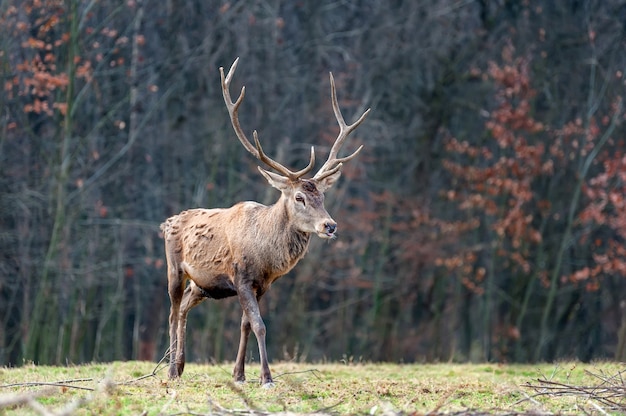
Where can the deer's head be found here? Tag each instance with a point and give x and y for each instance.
(302, 198)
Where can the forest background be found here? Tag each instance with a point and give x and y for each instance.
(484, 220)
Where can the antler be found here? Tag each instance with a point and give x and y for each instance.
(233, 109)
(334, 164)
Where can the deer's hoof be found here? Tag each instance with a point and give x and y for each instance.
(268, 385)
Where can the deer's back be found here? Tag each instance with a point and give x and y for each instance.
(206, 243)
(195, 243)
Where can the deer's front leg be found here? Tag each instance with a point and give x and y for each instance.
(252, 320)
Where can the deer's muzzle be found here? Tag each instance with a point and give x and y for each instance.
(329, 229)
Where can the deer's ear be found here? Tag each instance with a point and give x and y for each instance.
(328, 181)
(277, 181)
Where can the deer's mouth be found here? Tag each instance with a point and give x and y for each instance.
(327, 236)
(328, 230)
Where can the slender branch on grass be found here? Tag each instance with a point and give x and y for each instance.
(65, 383)
(312, 371)
(332, 406)
(29, 399)
(246, 400)
(611, 392)
(154, 372)
(216, 364)
(527, 398)
(601, 410)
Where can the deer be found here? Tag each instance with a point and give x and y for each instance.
(240, 251)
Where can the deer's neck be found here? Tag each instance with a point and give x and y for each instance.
(289, 243)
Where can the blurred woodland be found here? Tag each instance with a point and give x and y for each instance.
(485, 218)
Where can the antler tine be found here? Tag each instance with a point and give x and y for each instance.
(233, 111)
(233, 107)
(334, 164)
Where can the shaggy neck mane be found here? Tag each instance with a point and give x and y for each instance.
(295, 240)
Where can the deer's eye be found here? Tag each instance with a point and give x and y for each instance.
(300, 199)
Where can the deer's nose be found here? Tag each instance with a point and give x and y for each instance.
(331, 227)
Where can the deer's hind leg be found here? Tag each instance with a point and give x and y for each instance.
(176, 285)
(191, 297)
(239, 373)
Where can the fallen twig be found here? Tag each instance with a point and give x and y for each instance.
(154, 372)
(65, 383)
(313, 371)
(610, 392)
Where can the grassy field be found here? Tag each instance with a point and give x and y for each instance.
(135, 388)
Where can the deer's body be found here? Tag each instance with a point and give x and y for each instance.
(201, 245)
(240, 251)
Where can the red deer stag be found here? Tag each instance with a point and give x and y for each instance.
(239, 251)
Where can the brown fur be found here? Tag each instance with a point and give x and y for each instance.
(240, 251)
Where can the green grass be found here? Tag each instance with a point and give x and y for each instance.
(300, 388)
